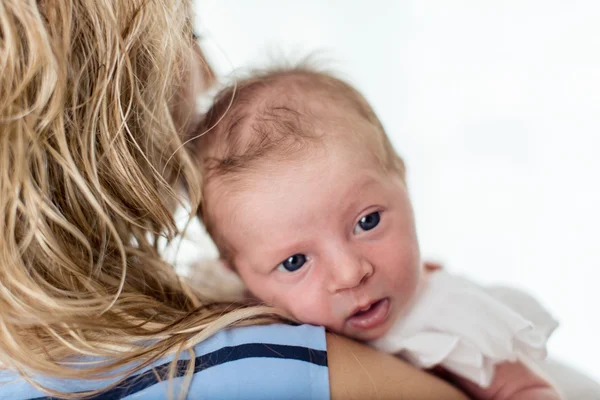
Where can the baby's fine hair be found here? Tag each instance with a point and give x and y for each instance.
(267, 116)
(266, 113)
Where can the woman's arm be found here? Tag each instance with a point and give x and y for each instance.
(357, 371)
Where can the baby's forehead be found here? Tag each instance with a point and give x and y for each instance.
(309, 185)
(287, 117)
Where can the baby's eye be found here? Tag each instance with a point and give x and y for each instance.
(292, 263)
(367, 222)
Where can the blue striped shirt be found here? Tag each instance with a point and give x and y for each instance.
(254, 362)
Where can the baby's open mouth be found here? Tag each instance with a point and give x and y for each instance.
(371, 316)
(365, 310)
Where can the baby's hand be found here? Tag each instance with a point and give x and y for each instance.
(514, 381)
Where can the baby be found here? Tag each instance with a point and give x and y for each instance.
(306, 200)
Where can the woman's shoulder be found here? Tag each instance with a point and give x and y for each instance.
(267, 361)
(306, 336)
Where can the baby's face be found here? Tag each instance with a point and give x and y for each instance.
(330, 239)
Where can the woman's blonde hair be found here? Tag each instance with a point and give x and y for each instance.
(89, 160)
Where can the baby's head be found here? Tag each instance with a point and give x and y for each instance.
(306, 200)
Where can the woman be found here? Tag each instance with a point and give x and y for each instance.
(90, 161)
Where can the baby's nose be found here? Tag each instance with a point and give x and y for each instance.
(349, 273)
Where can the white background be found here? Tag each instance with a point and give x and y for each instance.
(495, 106)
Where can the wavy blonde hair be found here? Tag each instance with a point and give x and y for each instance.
(90, 155)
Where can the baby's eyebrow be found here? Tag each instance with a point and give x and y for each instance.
(361, 185)
(358, 188)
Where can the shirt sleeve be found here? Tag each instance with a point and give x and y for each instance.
(256, 362)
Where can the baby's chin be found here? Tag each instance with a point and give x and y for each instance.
(366, 336)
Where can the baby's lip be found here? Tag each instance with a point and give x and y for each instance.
(370, 316)
(364, 307)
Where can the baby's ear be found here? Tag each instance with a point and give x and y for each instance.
(432, 266)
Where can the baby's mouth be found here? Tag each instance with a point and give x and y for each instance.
(370, 316)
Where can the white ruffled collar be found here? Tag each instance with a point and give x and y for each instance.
(467, 329)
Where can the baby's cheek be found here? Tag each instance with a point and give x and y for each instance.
(312, 309)
(404, 270)
(409, 282)
(263, 290)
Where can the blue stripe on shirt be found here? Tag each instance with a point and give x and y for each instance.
(224, 355)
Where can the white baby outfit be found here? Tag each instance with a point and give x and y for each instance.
(467, 329)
